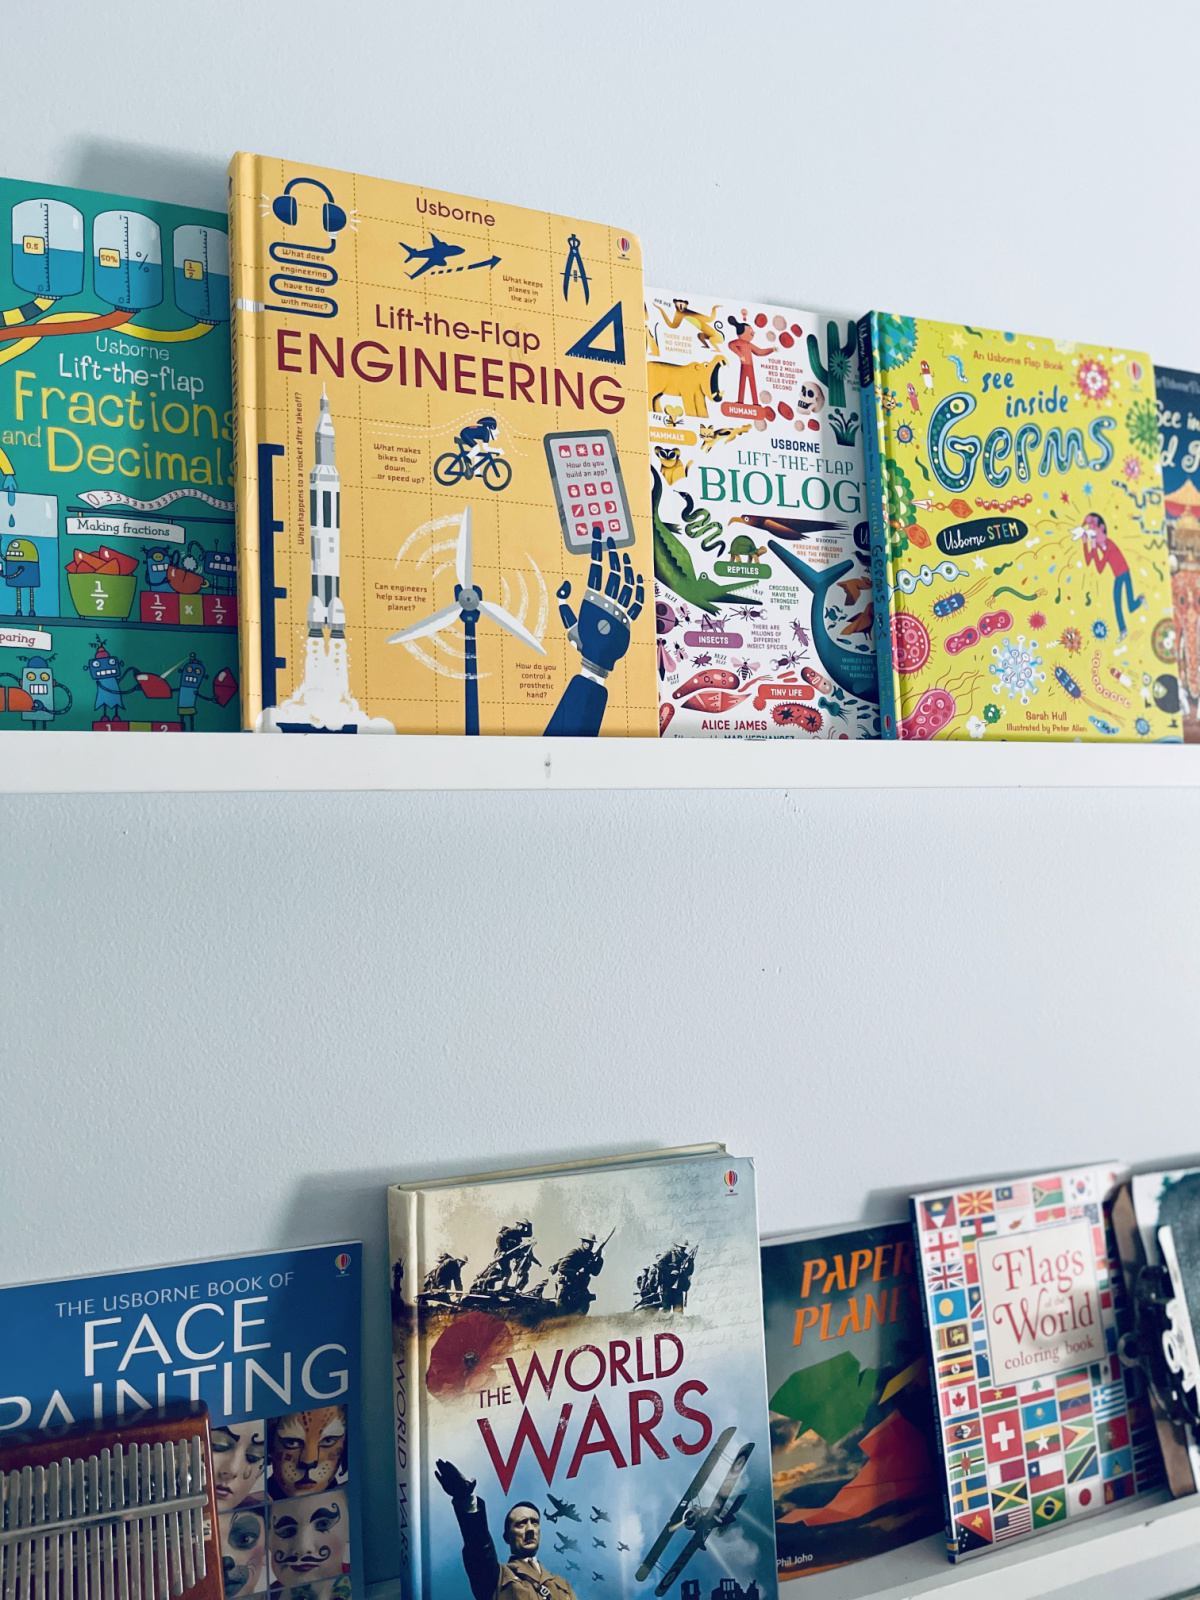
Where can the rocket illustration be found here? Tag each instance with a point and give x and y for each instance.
(325, 532)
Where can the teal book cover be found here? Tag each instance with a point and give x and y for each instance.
(853, 1451)
(118, 569)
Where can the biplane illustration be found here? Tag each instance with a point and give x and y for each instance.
(701, 1520)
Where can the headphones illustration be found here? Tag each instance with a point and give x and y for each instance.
(333, 218)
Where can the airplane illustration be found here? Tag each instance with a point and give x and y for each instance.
(597, 1577)
(562, 1508)
(599, 1544)
(438, 253)
(600, 1516)
(621, 1546)
(700, 1520)
(564, 1544)
(572, 1566)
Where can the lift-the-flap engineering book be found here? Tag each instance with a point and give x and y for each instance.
(1018, 555)
(580, 1394)
(442, 461)
(270, 1343)
(118, 602)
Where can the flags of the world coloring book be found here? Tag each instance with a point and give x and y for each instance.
(1039, 1422)
(580, 1394)
(270, 1343)
(761, 538)
(442, 461)
(1176, 643)
(118, 592)
(853, 1454)
(1018, 555)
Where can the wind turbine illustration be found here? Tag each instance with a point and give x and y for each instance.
(469, 604)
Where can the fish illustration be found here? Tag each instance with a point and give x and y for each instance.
(851, 670)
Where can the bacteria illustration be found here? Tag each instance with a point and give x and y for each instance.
(910, 642)
(933, 711)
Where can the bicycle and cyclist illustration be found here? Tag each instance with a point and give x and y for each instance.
(473, 458)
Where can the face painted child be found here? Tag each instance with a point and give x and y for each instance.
(306, 1451)
(309, 1538)
(239, 1450)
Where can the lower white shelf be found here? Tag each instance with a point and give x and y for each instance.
(64, 763)
(1121, 1555)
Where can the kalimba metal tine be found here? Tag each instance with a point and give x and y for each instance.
(58, 1472)
(25, 1546)
(79, 1499)
(122, 1541)
(176, 1561)
(186, 1488)
(93, 1534)
(107, 1585)
(198, 1516)
(11, 1501)
(160, 1521)
(39, 1548)
(146, 1523)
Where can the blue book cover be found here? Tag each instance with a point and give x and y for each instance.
(118, 567)
(1176, 643)
(270, 1343)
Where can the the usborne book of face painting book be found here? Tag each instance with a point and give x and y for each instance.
(1018, 557)
(853, 1456)
(580, 1393)
(270, 1343)
(444, 492)
(1039, 1423)
(118, 602)
(1176, 645)
(761, 539)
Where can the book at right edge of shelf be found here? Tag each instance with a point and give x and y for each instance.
(1040, 1423)
(1178, 648)
(1019, 564)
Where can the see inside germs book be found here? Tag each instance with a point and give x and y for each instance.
(443, 486)
(580, 1392)
(1018, 554)
(854, 1460)
(1038, 1421)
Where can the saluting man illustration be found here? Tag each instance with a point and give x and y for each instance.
(522, 1576)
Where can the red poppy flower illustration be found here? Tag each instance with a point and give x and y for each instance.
(463, 1356)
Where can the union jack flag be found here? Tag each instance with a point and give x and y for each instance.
(945, 1275)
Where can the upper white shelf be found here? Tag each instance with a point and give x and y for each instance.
(94, 763)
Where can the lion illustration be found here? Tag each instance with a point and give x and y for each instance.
(695, 384)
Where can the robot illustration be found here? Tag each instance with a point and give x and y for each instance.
(33, 692)
(22, 571)
(106, 672)
(191, 675)
(158, 565)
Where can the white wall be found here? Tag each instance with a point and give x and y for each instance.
(227, 1021)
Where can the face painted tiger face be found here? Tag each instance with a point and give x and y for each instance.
(810, 398)
(306, 1450)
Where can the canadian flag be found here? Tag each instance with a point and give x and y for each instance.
(959, 1399)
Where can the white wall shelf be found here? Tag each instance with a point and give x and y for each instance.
(96, 763)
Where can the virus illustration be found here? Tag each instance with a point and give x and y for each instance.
(800, 634)
(904, 434)
(1132, 468)
(1037, 620)
(901, 509)
(1142, 427)
(1141, 727)
(889, 400)
(1016, 669)
(1099, 629)
(897, 340)
(1094, 381)
(992, 712)
(789, 715)
(1162, 640)
(1072, 640)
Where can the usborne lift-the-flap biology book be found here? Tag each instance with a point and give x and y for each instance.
(580, 1393)
(442, 461)
(1019, 563)
(118, 603)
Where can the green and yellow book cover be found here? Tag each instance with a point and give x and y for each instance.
(118, 576)
(442, 461)
(1019, 563)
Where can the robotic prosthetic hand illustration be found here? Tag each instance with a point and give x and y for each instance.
(601, 635)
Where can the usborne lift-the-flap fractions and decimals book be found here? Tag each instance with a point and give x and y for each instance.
(118, 602)
(442, 461)
(1018, 556)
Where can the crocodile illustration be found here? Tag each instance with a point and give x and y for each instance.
(854, 671)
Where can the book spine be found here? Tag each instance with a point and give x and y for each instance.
(872, 431)
(406, 1386)
(923, 1296)
(242, 186)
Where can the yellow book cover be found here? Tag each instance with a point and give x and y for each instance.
(1019, 564)
(442, 461)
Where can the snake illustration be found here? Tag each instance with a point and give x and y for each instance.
(699, 524)
(958, 367)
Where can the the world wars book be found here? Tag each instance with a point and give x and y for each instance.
(269, 1343)
(761, 539)
(1039, 1423)
(1176, 644)
(580, 1399)
(854, 1459)
(118, 591)
(442, 461)
(1018, 554)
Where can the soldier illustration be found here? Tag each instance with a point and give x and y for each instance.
(664, 1284)
(575, 1271)
(522, 1576)
(514, 1253)
(445, 1274)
